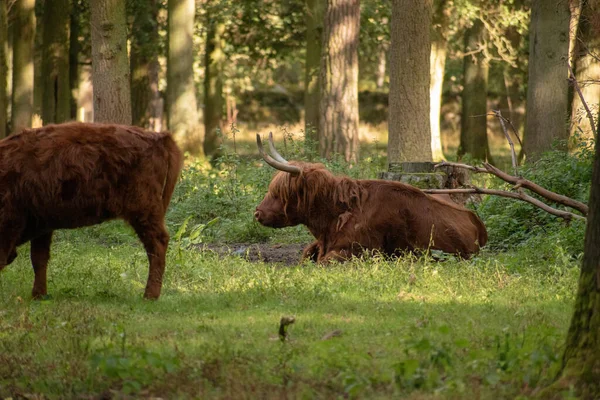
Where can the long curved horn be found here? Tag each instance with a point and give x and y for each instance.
(274, 152)
(292, 169)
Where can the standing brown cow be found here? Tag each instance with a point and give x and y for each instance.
(347, 216)
(72, 175)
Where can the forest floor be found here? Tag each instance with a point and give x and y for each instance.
(285, 254)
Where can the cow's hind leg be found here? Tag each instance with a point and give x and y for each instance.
(153, 234)
(40, 254)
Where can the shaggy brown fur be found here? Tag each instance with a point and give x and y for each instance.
(72, 175)
(347, 216)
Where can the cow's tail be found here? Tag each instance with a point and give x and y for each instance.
(174, 166)
(482, 236)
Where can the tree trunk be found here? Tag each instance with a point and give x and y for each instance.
(587, 68)
(473, 132)
(38, 56)
(181, 93)
(110, 64)
(214, 58)
(22, 88)
(56, 98)
(312, 69)
(438, 65)
(581, 360)
(338, 119)
(3, 69)
(144, 53)
(409, 111)
(381, 66)
(547, 89)
(74, 50)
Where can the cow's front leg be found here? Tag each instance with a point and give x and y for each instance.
(335, 255)
(311, 251)
(40, 255)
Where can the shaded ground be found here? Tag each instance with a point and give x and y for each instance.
(288, 254)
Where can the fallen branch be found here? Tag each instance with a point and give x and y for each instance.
(520, 183)
(568, 216)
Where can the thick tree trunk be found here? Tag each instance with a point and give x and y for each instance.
(547, 90)
(214, 60)
(438, 65)
(312, 71)
(581, 360)
(587, 68)
(56, 98)
(110, 64)
(22, 88)
(3, 69)
(143, 56)
(181, 93)
(338, 120)
(409, 111)
(473, 132)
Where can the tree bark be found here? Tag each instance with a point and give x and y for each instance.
(409, 105)
(214, 60)
(312, 69)
(338, 119)
(56, 98)
(181, 94)
(547, 90)
(144, 60)
(22, 87)
(3, 69)
(473, 132)
(438, 65)
(110, 64)
(587, 68)
(581, 359)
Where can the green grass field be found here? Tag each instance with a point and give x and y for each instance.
(488, 328)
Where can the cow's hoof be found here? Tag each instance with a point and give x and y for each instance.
(41, 296)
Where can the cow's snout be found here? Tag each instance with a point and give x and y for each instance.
(258, 215)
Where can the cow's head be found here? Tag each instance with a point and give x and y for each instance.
(280, 206)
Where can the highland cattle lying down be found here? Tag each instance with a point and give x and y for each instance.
(348, 216)
(72, 175)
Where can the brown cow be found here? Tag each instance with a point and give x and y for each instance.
(74, 174)
(347, 216)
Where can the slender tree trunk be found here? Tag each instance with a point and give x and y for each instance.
(312, 72)
(38, 56)
(214, 59)
(56, 100)
(409, 112)
(22, 88)
(338, 120)
(181, 93)
(547, 89)
(74, 50)
(473, 132)
(587, 68)
(438, 65)
(144, 56)
(3, 69)
(110, 64)
(381, 66)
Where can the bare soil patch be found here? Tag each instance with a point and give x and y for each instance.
(288, 254)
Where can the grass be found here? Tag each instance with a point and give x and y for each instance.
(414, 327)
(488, 328)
